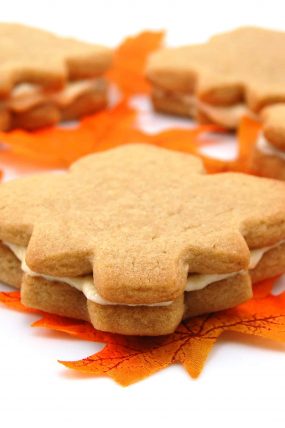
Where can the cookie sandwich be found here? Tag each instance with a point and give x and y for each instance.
(45, 78)
(138, 238)
(234, 74)
(269, 153)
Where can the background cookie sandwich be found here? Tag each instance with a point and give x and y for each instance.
(269, 153)
(45, 78)
(234, 74)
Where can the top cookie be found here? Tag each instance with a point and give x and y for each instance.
(31, 55)
(140, 218)
(247, 64)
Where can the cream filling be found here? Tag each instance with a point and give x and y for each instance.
(264, 146)
(86, 285)
(26, 95)
(228, 116)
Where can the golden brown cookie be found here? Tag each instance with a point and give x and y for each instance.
(45, 112)
(137, 230)
(234, 74)
(268, 158)
(45, 78)
(62, 299)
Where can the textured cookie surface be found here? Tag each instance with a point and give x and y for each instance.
(32, 55)
(247, 64)
(140, 218)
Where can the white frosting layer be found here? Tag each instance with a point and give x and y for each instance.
(265, 147)
(228, 116)
(256, 255)
(86, 285)
(25, 95)
(199, 281)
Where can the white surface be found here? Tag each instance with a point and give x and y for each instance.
(243, 381)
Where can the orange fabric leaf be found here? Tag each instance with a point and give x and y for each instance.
(128, 359)
(131, 359)
(213, 165)
(247, 136)
(13, 301)
(59, 147)
(129, 62)
(54, 147)
(184, 140)
(264, 288)
(80, 329)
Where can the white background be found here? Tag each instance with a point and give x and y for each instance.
(243, 382)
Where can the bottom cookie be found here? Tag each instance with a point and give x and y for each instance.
(49, 112)
(268, 158)
(267, 165)
(10, 268)
(61, 299)
(187, 105)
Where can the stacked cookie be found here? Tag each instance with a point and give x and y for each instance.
(234, 74)
(135, 250)
(45, 79)
(269, 154)
(138, 238)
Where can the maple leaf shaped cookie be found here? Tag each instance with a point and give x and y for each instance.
(149, 224)
(233, 74)
(32, 55)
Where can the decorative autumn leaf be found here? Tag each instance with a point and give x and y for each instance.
(130, 59)
(264, 288)
(59, 147)
(13, 301)
(247, 136)
(128, 359)
(132, 359)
